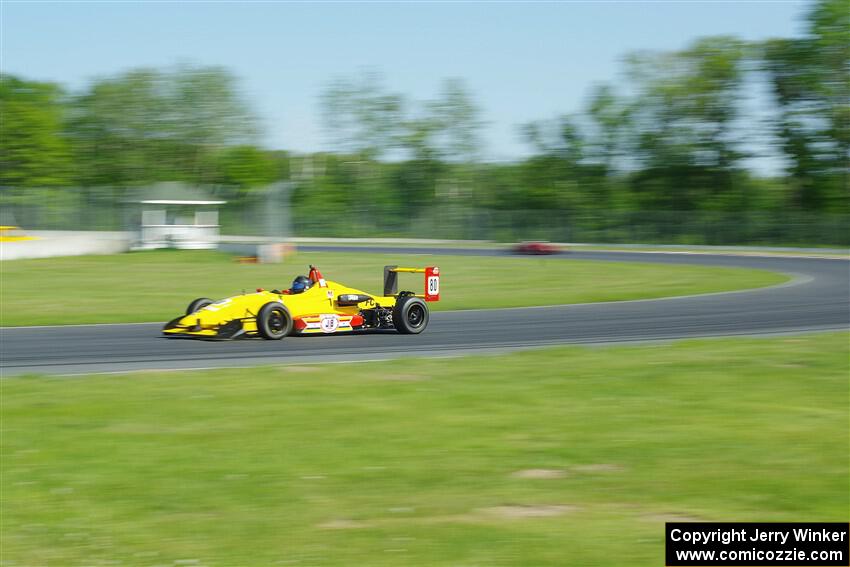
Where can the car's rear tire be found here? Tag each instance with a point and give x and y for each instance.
(198, 304)
(410, 315)
(274, 321)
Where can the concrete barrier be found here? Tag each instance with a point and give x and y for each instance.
(53, 243)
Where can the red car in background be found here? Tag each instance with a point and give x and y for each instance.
(536, 248)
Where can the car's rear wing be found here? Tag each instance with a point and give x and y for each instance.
(432, 281)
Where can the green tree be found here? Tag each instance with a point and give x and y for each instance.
(810, 77)
(685, 140)
(246, 167)
(361, 117)
(609, 123)
(442, 144)
(33, 151)
(457, 140)
(151, 125)
(416, 178)
(566, 174)
(456, 123)
(363, 121)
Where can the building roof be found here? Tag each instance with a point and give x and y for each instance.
(174, 193)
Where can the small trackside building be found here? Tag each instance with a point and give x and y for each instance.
(176, 215)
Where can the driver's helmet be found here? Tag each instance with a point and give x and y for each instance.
(300, 284)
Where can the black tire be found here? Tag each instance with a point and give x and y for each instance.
(410, 315)
(274, 321)
(198, 304)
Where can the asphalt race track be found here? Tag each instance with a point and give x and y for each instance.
(817, 299)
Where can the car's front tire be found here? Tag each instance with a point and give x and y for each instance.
(198, 304)
(410, 315)
(274, 321)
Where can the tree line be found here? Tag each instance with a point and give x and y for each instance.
(676, 136)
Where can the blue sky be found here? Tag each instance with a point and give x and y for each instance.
(522, 61)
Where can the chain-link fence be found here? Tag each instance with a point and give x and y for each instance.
(263, 212)
(268, 213)
(658, 227)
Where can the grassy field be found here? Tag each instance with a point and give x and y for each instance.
(157, 286)
(568, 456)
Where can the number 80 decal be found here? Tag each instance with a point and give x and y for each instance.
(432, 284)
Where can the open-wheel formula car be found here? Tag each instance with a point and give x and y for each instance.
(311, 305)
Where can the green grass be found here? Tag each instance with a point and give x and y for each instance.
(157, 286)
(419, 462)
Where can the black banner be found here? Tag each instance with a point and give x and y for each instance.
(691, 544)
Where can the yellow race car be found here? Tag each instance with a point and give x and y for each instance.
(311, 305)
